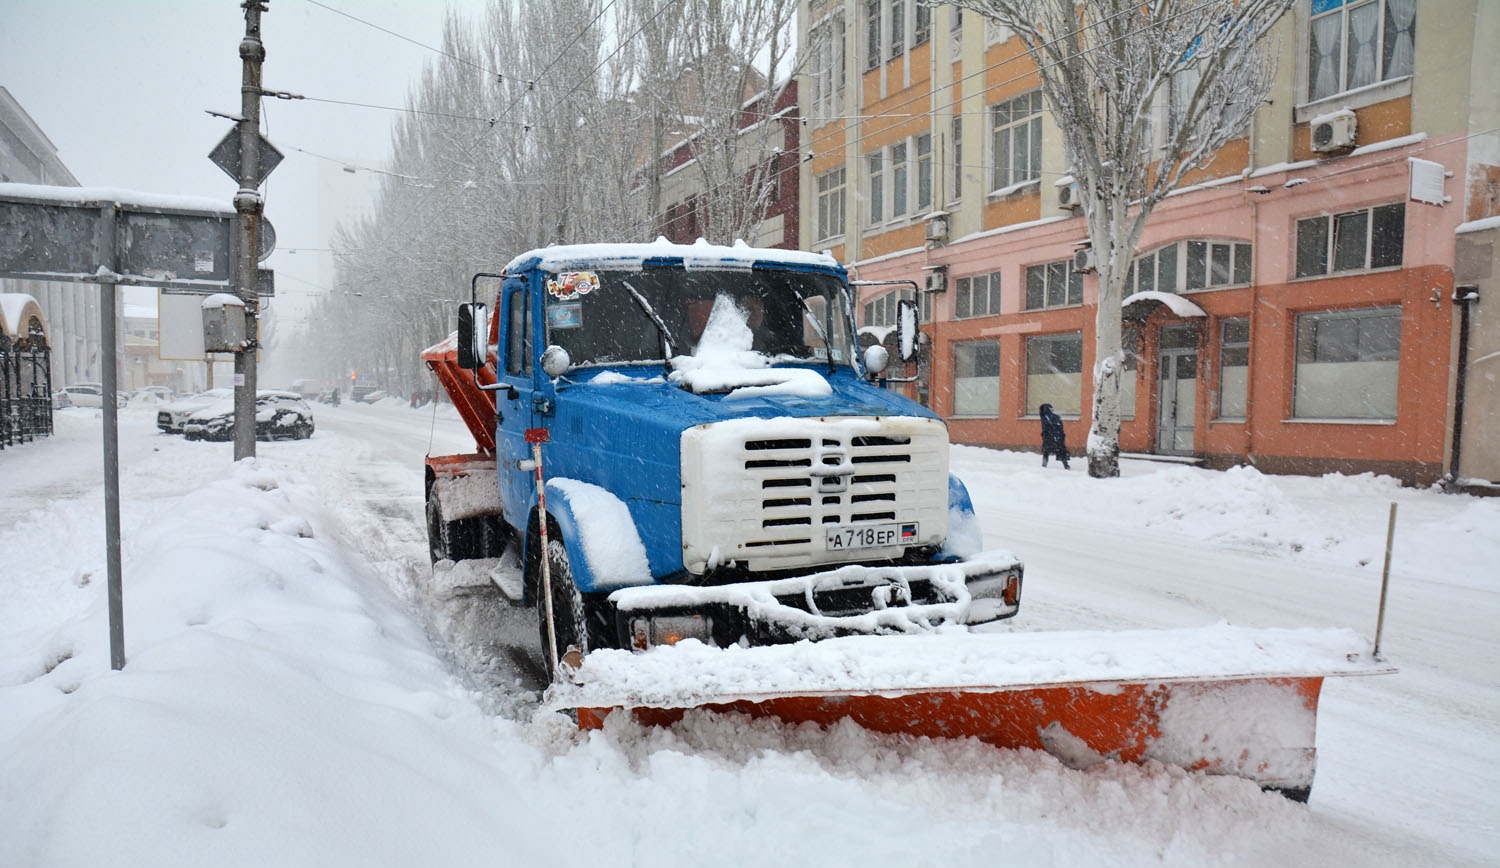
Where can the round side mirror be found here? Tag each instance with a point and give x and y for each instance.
(555, 361)
(876, 358)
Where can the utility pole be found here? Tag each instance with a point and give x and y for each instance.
(248, 206)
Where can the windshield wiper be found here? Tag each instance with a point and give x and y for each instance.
(668, 342)
(812, 319)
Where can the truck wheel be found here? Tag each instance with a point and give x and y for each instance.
(455, 540)
(569, 608)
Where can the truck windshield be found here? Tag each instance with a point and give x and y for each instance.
(785, 317)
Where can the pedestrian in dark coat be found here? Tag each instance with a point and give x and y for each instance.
(1053, 439)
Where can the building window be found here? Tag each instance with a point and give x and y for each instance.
(830, 190)
(1354, 43)
(827, 75)
(1234, 367)
(1347, 364)
(976, 379)
(958, 157)
(921, 28)
(899, 179)
(924, 172)
(1130, 344)
(1053, 284)
(894, 186)
(1054, 373)
(1186, 266)
(881, 312)
(898, 27)
(1351, 241)
(977, 296)
(1016, 141)
(872, 34)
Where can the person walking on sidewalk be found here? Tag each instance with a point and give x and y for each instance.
(1054, 441)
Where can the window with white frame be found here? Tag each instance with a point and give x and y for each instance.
(955, 33)
(976, 379)
(873, 53)
(1053, 284)
(1351, 241)
(881, 311)
(827, 74)
(1054, 373)
(976, 296)
(1234, 367)
(1347, 364)
(1188, 266)
(1016, 141)
(900, 176)
(898, 189)
(897, 10)
(1354, 43)
(830, 194)
(921, 27)
(923, 145)
(958, 158)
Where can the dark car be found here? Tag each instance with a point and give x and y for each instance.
(278, 416)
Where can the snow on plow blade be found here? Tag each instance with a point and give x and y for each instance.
(1222, 699)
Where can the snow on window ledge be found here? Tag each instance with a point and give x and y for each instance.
(1360, 97)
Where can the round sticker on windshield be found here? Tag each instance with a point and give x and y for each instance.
(572, 284)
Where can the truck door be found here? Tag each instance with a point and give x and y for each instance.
(513, 402)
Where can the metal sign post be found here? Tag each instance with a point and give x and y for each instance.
(248, 205)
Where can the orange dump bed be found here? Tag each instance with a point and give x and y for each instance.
(475, 405)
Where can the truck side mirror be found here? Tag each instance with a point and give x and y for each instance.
(473, 336)
(906, 329)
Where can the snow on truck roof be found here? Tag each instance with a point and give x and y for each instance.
(632, 256)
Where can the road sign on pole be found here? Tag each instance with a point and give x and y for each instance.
(226, 155)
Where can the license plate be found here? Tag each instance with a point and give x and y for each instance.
(868, 536)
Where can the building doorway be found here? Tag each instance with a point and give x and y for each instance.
(1177, 392)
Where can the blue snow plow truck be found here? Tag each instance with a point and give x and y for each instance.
(713, 456)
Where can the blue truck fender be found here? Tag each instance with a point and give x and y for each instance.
(604, 548)
(965, 539)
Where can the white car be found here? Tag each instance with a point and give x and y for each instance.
(171, 417)
(89, 395)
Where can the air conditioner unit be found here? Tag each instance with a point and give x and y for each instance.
(1334, 131)
(937, 229)
(1067, 197)
(1083, 260)
(937, 281)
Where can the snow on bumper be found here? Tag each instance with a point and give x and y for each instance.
(847, 601)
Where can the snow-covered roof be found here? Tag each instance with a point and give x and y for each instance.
(1178, 304)
(631, 256)
(15, 309)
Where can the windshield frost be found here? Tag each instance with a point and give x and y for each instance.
(774, 316)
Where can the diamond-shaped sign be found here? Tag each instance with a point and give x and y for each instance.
(226, 155)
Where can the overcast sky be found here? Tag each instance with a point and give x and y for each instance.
(121, 88)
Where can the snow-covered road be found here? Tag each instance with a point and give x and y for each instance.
(295, 695)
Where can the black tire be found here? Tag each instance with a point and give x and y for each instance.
(462, 539)
(580, 620)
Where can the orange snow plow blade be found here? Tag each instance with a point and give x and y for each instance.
(1250, 710)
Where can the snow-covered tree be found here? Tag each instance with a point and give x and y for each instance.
(1142, 92)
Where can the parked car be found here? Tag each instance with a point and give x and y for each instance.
(153, 395)
(90, 395)
(172, 416)
(278, 416)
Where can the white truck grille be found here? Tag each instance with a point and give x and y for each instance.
(777, 494)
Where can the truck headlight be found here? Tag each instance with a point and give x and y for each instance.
(668, 630)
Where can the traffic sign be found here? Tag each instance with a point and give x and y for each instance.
(226, 155)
